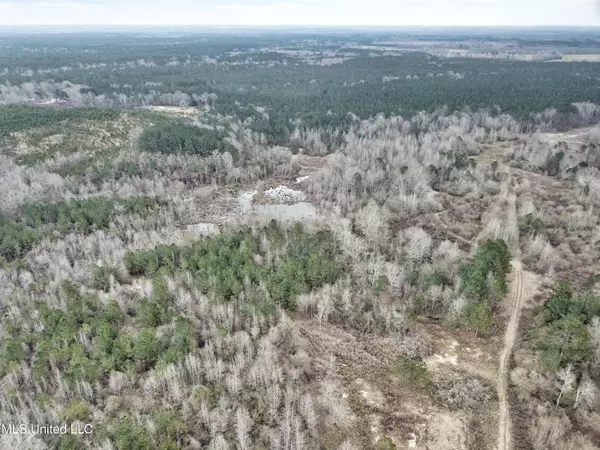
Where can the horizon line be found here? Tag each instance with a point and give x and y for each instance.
(295, 25)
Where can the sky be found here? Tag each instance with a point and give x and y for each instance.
(301, 12)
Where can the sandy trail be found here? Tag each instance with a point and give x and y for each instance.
(504, 434)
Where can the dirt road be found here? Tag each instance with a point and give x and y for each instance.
(504, 433)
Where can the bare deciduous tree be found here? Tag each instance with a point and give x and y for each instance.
(307, 411)
(594, 328)
(567, 379)
(218, 443)
(372, 222)
(243, 426)
(586, 393)
(418, 244)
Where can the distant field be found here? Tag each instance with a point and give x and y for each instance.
(185, 111)
(593, 57)
(277, 82)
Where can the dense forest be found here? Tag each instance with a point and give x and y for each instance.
(276, 82)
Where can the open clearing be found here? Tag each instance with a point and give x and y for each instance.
(187, 111)
(574, 57)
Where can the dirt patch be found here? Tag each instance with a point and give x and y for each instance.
(53, 140)
(492, 152)
(572, 137)
(449, 355)
(385, 407)
(370, 394)
(203, 229)
(307, 165)
(187, 111)
(367, 356)
(446, 431)
(578, 57)
(461, 352)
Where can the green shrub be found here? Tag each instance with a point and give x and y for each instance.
(411, 369)
(58, 339)
(552, 166)
(139, 205)
(529, 224)
(566, 340)
(81, 366)
(458, 161)
(592, 281)
(478, 317)
(381, 284)
(44, 400)
(84, 215)
(181, 342)
(101, 278)
(491, 259)
(146, 348)
(131, 436)
(564, 301)
(123, 352)
(12, 354)
(435, 278)
(69, 442)
(75, 410)
(105, 338)
(385, 443)
(333, 437)
(170, 428)
(16, 239)
(155, 311)
(483, 282)
(100, 167)
(562, 335)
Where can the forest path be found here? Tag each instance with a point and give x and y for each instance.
(504, 432)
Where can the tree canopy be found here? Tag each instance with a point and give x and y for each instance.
(180, 137)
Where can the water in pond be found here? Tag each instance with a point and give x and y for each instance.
(295, 212)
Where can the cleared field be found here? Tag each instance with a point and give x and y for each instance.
(592, 57)
(186, 111)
